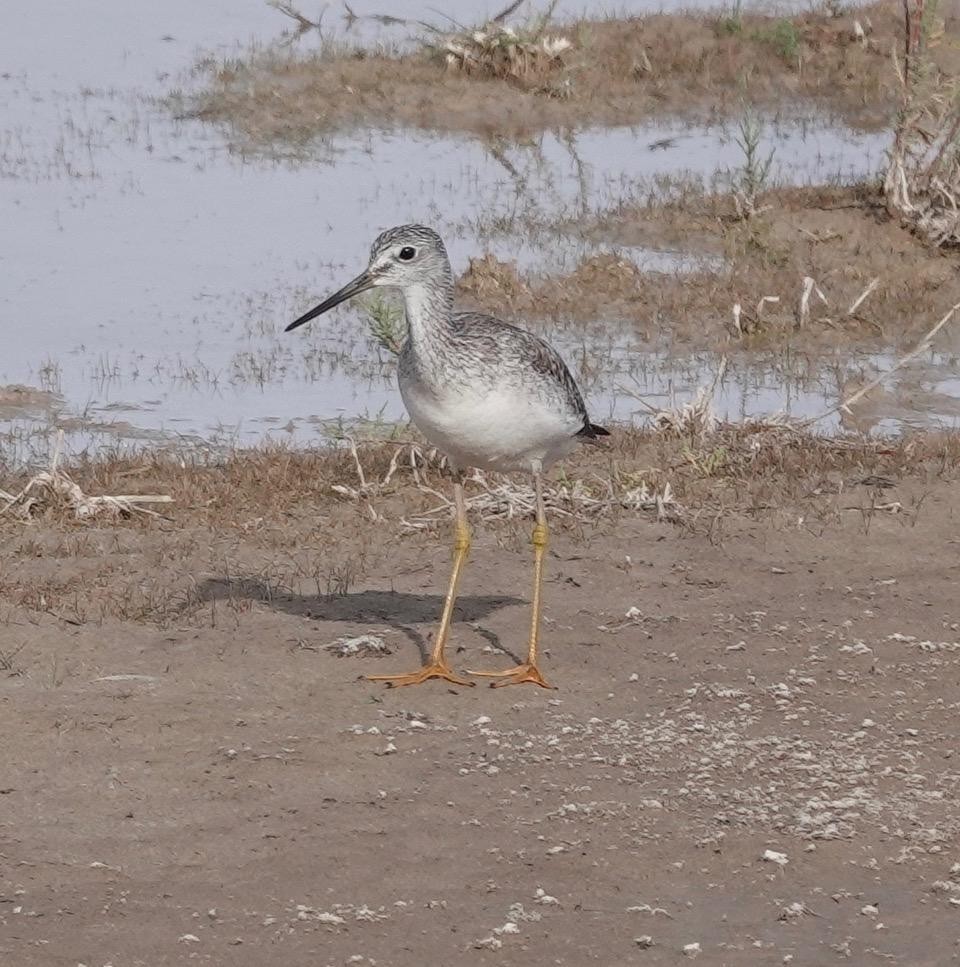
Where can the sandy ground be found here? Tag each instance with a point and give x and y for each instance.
(214, 786)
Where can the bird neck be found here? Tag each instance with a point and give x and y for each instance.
(429, 309)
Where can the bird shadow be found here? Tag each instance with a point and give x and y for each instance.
(395, 609)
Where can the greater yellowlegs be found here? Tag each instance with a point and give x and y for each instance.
(487, 394)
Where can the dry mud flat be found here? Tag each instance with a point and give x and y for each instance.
(749, 758)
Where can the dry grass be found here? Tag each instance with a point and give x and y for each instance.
(54, 488)
(265, 491)
(499, 51)
(922, 181)
(267, 522)
(829, 261)
(613, 72)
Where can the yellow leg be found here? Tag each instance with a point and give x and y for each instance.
(529, 670)
(437, 666)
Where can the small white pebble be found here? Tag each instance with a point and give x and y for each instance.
(482, 720)
(546, 899)
(644, 941)
(869, 910)
(491, 943)
(691, 950)
(188, 938)
(792, 911)
(772, 856)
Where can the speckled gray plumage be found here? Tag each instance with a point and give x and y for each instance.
(474, 349)
(487, 393)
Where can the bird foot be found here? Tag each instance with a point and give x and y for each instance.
(433, 670)
(527, 672)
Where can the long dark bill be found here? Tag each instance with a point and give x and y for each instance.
(360, 284)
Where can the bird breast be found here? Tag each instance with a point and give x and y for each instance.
(503, 428)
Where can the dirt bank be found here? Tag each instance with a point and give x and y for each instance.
(750, 749)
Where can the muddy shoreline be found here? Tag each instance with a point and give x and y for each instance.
(842, 238)
(703, 66)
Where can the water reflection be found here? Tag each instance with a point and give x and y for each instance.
(154, 269)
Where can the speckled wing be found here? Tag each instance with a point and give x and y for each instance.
(520, 355)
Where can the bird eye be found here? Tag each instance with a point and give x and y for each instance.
(407, 253)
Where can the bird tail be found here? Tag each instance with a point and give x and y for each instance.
(591, 431)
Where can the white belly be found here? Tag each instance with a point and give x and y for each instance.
(495, 431)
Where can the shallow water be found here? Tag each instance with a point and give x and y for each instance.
(149, 271)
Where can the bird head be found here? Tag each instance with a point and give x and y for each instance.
(401, 257)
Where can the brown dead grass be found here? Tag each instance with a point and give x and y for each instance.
(268, 493)
(922, 182)
(840, 237)
(276, 487)
(266, 521)
(617, 72)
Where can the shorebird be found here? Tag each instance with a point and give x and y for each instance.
(487, 394)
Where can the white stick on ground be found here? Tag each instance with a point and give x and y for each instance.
(55, 481)
(863, 295)
(921, 347)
